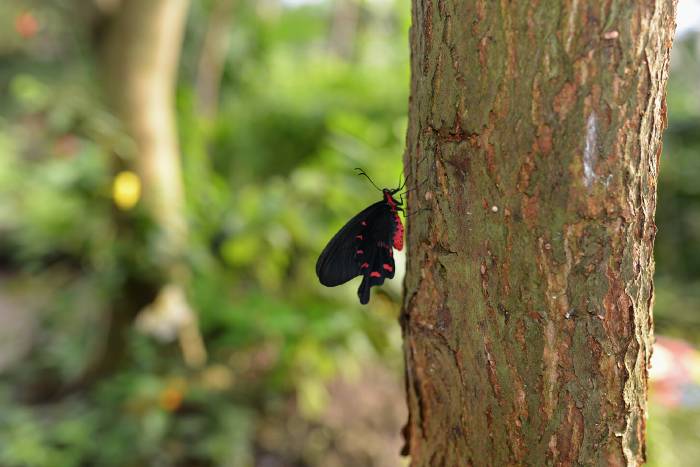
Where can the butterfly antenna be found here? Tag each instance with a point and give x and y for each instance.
(362, 172)
(405, 179)
(416, 186)
(401, 185)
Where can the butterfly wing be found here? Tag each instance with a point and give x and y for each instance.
(364, 246)
(338, 262)
(377, 256)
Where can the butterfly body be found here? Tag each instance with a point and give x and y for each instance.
(364, 246)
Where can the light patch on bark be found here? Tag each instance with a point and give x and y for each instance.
(557, 279)
(590, 153)
(571, 25)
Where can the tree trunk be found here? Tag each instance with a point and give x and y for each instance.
(142, 55)
(533, 143)
(143, 52)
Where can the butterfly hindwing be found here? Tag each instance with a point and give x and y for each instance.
(379, 266)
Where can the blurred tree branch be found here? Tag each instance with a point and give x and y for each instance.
(142, 52)
(213, 57)
(344, 28)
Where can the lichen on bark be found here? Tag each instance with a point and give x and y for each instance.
(527, 315)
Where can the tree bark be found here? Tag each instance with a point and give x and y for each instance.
(533, 145)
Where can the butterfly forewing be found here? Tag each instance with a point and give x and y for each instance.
(364, 246)
(337, 263)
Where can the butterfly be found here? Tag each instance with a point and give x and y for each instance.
(364, 246)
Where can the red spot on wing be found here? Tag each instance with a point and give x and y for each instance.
(364, 265)
(387, 267)
(364, 222)
(359, 237)
(359, 252)
(375, 274)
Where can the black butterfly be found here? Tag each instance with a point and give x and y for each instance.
(364, 246)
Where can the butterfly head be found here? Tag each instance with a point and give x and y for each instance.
(389, 197)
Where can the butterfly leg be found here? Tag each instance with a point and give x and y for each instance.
(412, 213)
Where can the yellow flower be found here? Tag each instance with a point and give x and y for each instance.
(126, 190)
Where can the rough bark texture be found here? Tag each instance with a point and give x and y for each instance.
(533, 143)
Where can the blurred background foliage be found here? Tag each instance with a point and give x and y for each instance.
(296, 375)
